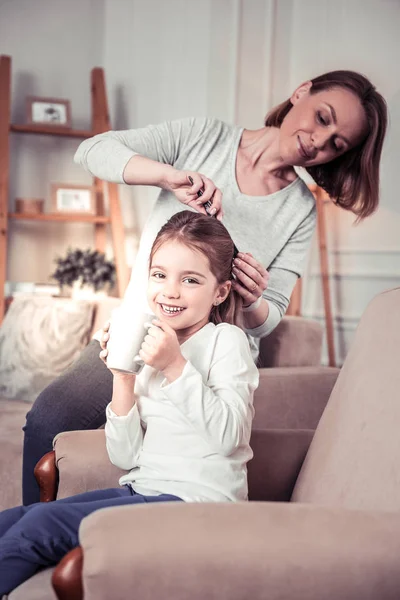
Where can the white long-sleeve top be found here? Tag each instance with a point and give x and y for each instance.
(190, 438)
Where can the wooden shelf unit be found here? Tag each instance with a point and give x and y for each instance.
(51, 130)
(100, 123)
(66, 218)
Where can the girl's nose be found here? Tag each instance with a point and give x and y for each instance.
(171, 291)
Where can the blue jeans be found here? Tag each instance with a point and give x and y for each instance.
(76, 400)
(38, 536)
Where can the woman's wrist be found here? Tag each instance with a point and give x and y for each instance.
(257, 315)
(253, 306)
(141, 170)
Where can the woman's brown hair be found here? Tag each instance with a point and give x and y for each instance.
(210, 237)
(352, 179)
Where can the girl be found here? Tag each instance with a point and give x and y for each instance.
(182, 426)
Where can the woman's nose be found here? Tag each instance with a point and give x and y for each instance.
(320, 139)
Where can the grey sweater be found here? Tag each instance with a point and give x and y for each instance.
(276, 228)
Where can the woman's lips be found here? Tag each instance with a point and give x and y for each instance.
(302, 150)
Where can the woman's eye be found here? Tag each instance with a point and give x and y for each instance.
(322, 119)
(336, 148)
(158, 275)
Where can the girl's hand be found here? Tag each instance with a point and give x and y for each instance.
(161, 349)
(105, 336)
(178, 182)
(129, 377)
(251, 277)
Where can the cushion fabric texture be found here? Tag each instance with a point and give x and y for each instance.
(39, 338)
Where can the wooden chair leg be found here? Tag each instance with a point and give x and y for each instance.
(46, 474)
(67, 576)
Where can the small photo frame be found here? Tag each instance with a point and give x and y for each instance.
(73, 199)
(48, 111)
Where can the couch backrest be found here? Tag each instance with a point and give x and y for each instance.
(354, 459)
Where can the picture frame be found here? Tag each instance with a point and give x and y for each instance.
(67, 198)
(55, 112)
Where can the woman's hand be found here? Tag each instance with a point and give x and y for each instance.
(251, 278)
(161, 350)
(179, 183)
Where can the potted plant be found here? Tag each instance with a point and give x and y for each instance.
(86, 271)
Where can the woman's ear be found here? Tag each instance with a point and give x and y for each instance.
(299, 92)
(222, 292)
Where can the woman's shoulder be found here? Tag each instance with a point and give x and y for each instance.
(207, 125)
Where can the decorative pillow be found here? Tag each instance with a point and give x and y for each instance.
(39, 338)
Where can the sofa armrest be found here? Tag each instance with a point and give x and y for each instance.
(292, 397)
(278, 458)
(245, 550)
(82, 462)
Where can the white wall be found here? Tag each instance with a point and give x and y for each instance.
(233, 59)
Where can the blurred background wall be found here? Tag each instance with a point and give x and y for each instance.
(167, 59)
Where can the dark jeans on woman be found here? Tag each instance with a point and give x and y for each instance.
(38, 536)
(76, 400)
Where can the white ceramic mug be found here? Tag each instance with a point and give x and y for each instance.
(128, 328)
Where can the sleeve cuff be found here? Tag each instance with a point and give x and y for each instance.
(132, 415)
(174, 387)
(274, 316)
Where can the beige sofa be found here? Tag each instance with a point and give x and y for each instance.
(338, 537)
(296, 342)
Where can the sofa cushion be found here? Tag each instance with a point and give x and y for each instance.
(37, 587)
(39, 338)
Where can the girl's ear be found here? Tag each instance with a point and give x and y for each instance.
(299, 92)
(222, 292)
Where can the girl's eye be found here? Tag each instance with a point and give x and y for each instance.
(190, 280)
(158, 275)
(321, 119)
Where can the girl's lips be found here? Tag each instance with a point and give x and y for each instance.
(171, 313)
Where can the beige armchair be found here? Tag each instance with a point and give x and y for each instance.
(323, 523)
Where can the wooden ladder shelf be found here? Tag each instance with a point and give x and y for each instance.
(100, 123)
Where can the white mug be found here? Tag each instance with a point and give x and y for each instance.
(128, 328)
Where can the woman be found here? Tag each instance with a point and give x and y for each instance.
(333, 126)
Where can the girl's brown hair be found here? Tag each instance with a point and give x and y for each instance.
(352, 179)
(211, 238)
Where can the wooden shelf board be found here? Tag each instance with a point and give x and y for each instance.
(67, 217)
(51, 130)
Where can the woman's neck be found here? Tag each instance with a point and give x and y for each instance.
(258, 152)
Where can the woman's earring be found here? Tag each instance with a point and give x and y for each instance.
(216, 303)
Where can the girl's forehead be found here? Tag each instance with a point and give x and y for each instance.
(172, 251)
